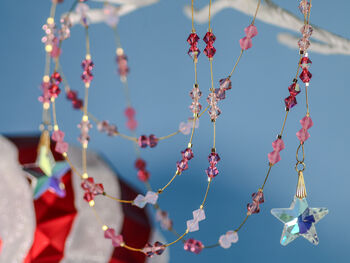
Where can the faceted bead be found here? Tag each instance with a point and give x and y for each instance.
(199, 214)
(232, 236)
(87, 65)
(195, 107)
(303, 135)
(251, 31)
(57, 136)
(290, 102)
(220, 93)
(102, 126)
(209, 38)
(194, 246)
(253, 208)
(130, 112)
(148, 250)
(140, 164)
(163, 218)
(224, 242)
(212, 171)
(77, 104)
(152, 141)
(187, 154)
(306, 30)
(305, 76)
(278, 145)
(294, 89)
(182, 165)
(258, 197)
(87, 77)
(304, 7)
(303, 44)
(72, 95)
(131, 124)
(214, 113)
(143, 141)
(225, 84)
(111, 14)
(158, 248)
(112, 130)
(213, 158)
(151, 197)
(274, 157)
(117, 240)
(209, 51)
(192, 225)
(195, 93)
(306, 122)
(61, 147)
(245, 43)
(194, 52)
(54, 91)
(143, 175)
(305, 62)
(123, 68)
(193, 39)
(56, 78)
(185, 128)
(140, 201)
(91, 189)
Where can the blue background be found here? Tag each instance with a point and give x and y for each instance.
(161, 76)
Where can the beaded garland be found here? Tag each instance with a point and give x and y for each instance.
(51, 90)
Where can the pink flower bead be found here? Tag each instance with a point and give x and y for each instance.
(251, 31)
(245, 43)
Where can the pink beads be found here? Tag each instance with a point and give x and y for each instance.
(195, 94)
(227, 239)
(141, 201)
(130, 115)
(209, 39)
(84, 127)
(91, 189)
(254, 207)
(87, 66)
(110, 129)
(142, 173)
(76, 102)
(117, 240)
(212, 171)
(225, 84)
(304, 7)
(61, 146)
(194, 51)
(305, 75)
(193, 224)
(66, 24)
(165, 222)
(54, 89)
(144, 141)
(246, 42)
(274, 156)
(194, 246)
(214, 110)
(303, 133)
(185, 127)
(187, 155)
(157, 248)
(294, 90)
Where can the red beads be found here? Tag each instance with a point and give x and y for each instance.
(305, 75)
(212, 171)
(142, 173)
(144, 141)
(194, 246)
(294, 90)
(254, 207)
(209, 39)
(91, 189)
(194, 51)
(290, 102)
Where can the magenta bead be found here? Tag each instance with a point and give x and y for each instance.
(143, 141)
(194, 246)
(274, 157)
(245, 43)
(258, 197)
(152, 141)
(213, 158)
(187, 154)
(251, 31)
(182, 165)
(253, 208)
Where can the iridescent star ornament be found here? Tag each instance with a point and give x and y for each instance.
(45, 174)
(299, 220)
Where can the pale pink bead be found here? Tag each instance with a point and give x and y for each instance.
(224, 242)
(185, 128)
(245, 43)
(232, 236)
(278, 145)
(274, 157)
(306, 122)
(251, 31)
(57, 136)
(303, 135)
(61, 147)
(131, 124)
(117, 240)
(130, 112)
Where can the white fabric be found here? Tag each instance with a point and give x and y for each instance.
(86, 243)
(17, 218)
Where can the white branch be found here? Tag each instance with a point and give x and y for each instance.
(270, 13)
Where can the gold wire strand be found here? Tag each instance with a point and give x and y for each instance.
(206, 108)
(307, 100)
(193, 128)
(267, 176)
(87, 40)
(119, 200)
(211, 75)
(97, 215)
(206, 193)
(209, 28)
(132, 248)
(242, 224)
(54, 111)
(193, 30)
(256, 12)
(168, 136)
(171, 180)
(177, 240)
(74, 169)
(284, 123)
(53, 9)
(303, 152)
(126, 137)
(237, 61)
(214, 134)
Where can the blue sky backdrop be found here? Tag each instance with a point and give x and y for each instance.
(161, 77)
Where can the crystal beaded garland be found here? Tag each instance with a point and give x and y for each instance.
(194, 246)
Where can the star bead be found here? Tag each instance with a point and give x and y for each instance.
(299, 220)
(46, 173)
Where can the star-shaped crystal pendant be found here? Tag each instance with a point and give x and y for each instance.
(299, 220)
(45, 174)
